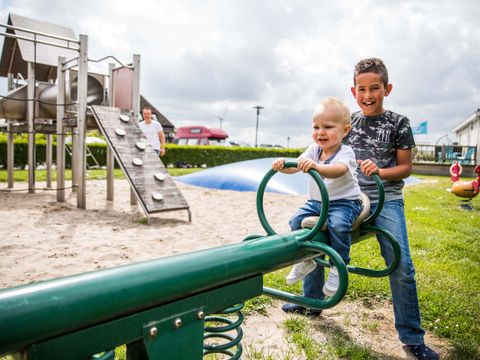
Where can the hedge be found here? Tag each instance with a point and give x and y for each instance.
(208, 155)
(176, 155)
(20, 157)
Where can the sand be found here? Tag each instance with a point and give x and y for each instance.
(42, 239)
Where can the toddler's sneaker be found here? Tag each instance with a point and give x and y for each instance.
(300, 270)
(331, 286)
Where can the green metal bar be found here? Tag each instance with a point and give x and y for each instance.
(396, 255)
(381, 200)
(317, 303)
(323, 192)
(131, 329)
(43, 310)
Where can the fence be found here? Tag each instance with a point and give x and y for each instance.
(445, 154)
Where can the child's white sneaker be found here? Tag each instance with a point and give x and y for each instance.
(300, 270)
(331, 286)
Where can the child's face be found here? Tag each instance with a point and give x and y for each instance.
(369, 92)
(329, 130)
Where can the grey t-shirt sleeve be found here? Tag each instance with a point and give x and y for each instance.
(378, 138)
(404, 138)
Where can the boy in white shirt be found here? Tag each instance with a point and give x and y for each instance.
(336, 163)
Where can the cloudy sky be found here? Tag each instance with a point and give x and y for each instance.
(207, 59)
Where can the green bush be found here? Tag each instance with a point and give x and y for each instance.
(20, 157)
(220, 155)
(177, 155)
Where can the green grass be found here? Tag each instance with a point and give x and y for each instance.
(445, 249)
(259, 304)
(300, 332)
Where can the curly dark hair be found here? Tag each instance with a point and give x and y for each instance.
(374, 65)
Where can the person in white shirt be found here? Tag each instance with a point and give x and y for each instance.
(336, 163)
(153, 131)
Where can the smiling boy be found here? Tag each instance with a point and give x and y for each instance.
(382, 141)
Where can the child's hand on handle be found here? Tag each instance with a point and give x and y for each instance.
(368, 167)
(278, 164)
(306, 164)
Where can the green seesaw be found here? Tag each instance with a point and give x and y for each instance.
(179, 307)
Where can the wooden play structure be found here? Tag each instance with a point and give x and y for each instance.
(51, 91)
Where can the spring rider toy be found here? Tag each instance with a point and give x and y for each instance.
(464, 189)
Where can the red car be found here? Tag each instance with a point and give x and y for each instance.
(200, 135)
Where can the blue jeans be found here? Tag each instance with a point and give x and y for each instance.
(402, 280)
(341, 215)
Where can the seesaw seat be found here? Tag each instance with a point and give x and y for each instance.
(309, 222)
(313, 240)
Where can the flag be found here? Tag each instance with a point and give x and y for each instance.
(421, 128)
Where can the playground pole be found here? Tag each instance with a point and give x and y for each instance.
(81, 120)
(10, 141)
(31, 126)
(60, 134)
(49, 157)
(110, 156)
(135, 105)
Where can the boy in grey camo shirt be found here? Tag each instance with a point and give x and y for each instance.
(382, 141)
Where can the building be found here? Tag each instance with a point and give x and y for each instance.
(468, 132)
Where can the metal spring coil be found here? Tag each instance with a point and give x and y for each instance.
(212, 332)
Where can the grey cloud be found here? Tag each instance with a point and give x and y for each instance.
(284, 55)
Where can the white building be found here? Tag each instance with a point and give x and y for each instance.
(468, 132)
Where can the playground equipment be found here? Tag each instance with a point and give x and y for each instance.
(164, 309)
(246, 176)
(51, 91)
(464, 189)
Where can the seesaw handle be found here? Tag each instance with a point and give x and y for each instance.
(381, 200)
(311, 303)
(323, 192)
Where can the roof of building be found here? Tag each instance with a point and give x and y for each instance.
(16, 53)
(474, 117)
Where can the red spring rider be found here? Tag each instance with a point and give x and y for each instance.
(464, 189)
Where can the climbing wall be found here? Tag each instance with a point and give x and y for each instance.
(143, 169)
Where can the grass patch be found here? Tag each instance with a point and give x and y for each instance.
(254, 353)
(300, 332)
(259, 304)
